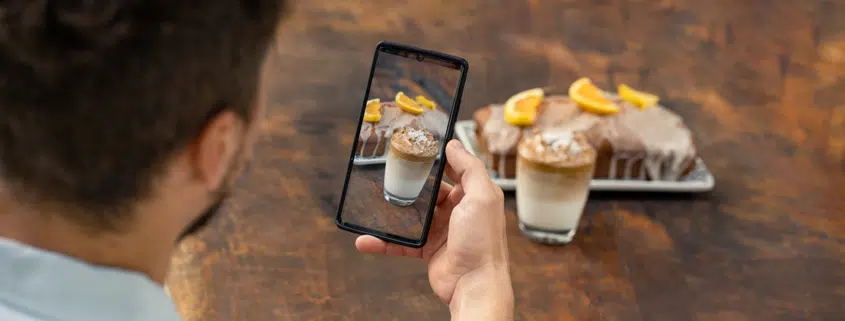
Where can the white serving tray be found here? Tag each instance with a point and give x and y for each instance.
(369, 160)
(373, 160)
(699, 180)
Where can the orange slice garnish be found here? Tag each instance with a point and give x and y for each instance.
(521, 109)
(637, 98)
(591, 98)
(372, 113)
(425, 102)
(407, 104)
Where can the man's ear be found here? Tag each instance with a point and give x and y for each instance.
(216, 147)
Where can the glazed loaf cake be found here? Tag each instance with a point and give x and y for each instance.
(633, 144)
(374, 137)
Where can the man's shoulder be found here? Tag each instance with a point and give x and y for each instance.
(10, 313)
(34, 284)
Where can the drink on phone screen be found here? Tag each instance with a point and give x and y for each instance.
(409, 160)
(553, 174)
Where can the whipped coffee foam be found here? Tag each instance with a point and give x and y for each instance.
(417, 136)
(414, 143)
(561, 140)
(557, 148)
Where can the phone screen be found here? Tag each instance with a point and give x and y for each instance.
(397, 159)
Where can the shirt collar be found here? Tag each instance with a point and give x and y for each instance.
(63, 288)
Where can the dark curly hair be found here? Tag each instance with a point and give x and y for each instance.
(95, 95)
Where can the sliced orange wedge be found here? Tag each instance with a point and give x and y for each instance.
(372, 113)
(637, 98)
(521, 109)
(591, 98)
(425, 102)
(408, 105)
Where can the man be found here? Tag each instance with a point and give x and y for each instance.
(122, 126)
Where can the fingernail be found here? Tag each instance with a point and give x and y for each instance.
(458, 144)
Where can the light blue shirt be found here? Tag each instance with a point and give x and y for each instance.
(37, 285)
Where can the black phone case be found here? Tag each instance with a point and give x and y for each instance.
(456, 104)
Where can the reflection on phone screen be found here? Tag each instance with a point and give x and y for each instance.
(399, 145)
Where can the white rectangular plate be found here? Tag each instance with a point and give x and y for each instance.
(699, 180)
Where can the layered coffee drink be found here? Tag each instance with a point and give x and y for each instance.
(553, 173)
(409, 160)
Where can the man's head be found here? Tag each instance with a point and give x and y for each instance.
(120, 113)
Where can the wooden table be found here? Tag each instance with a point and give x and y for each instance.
(761, 83)
(365, 205)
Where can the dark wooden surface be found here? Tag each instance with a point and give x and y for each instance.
(365, 205)
(761, 83)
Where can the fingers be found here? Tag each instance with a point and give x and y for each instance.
(443, 192)
(372, 245)
(472, 180)
(465, 169)
(456, 195)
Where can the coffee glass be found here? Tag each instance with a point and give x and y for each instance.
(409, 160)
(553, 174)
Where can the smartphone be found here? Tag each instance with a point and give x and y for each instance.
(398, 152)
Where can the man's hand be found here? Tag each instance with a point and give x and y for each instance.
(466, 252)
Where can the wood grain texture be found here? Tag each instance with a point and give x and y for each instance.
(365, 205)
(760, 83)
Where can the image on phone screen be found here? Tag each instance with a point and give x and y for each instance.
(396, 161)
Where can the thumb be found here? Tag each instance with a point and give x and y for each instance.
(464, 168)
